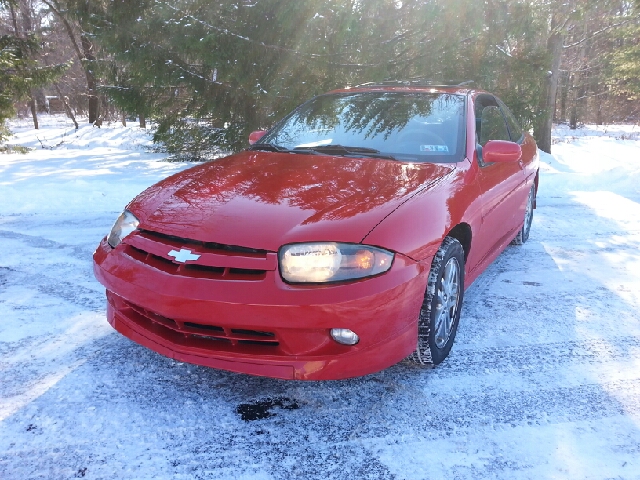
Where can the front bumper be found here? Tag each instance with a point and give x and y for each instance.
(264, 327)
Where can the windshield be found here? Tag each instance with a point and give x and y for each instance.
(413, 126)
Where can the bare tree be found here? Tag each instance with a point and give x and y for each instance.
(85, 52)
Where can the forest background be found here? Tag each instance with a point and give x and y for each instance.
(208, 72)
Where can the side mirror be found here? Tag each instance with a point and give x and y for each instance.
(501, 151)
(255, 136)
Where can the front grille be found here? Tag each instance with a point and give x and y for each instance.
(239, 331)
(215, 262)
(213, 337)
(212, 328)
(167, 266)
(171, 239)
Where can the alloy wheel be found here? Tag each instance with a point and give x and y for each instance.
(447, 296)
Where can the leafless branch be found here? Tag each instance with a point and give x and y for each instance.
(599, 32)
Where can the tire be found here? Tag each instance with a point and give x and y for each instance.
(437, 326)
(523, 234)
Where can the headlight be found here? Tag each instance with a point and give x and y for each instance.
(331, 262)
(125, 224)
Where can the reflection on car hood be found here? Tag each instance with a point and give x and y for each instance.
(265, 200)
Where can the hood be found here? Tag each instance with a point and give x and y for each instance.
(264, 200)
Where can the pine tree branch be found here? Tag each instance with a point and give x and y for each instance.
(279, 48)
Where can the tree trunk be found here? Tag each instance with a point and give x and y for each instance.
(124, 119)
(104, 112)
(564, 92)
(598, 102)
(25, 11)
(14, 19)
(573, 120)
(86, 57)
(98, 114)
(579, 79)
(89, 58)
(547, 105)
(34, 111)
(143, 120)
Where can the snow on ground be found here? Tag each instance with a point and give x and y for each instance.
(542, 382)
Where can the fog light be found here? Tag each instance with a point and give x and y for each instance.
(344, 336)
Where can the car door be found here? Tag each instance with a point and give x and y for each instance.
(499, 182)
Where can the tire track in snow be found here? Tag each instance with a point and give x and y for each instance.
(57, 279)
(86, 298)
(32, 241)
(279, 439)
(39, 242)
(540, 356)
(317, 440)
(434, 414)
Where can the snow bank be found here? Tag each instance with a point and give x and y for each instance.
(563, 134)
(593, 158)
(69, 172)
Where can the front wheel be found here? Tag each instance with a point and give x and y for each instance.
(440, 312)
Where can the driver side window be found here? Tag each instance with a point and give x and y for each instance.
(492, 125)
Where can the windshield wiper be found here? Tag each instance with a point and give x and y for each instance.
(268, 147)
(271, 147)
(347, 151)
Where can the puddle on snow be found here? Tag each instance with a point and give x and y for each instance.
(259, 409)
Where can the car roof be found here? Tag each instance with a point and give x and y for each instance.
(411, 86)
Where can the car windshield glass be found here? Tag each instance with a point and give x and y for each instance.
(406, 126)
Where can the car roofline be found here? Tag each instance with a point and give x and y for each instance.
(407, 88)
(418, 83)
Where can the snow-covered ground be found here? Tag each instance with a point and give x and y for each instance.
(542, 382)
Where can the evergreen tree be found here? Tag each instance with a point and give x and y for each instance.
(210, 72)
(20, 73)
(625, 74)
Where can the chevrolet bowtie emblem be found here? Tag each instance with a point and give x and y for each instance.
(183, 255)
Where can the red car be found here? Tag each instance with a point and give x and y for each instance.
(338, 244)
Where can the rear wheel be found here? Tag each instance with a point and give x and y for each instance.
(523, 234)
(440, 312)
